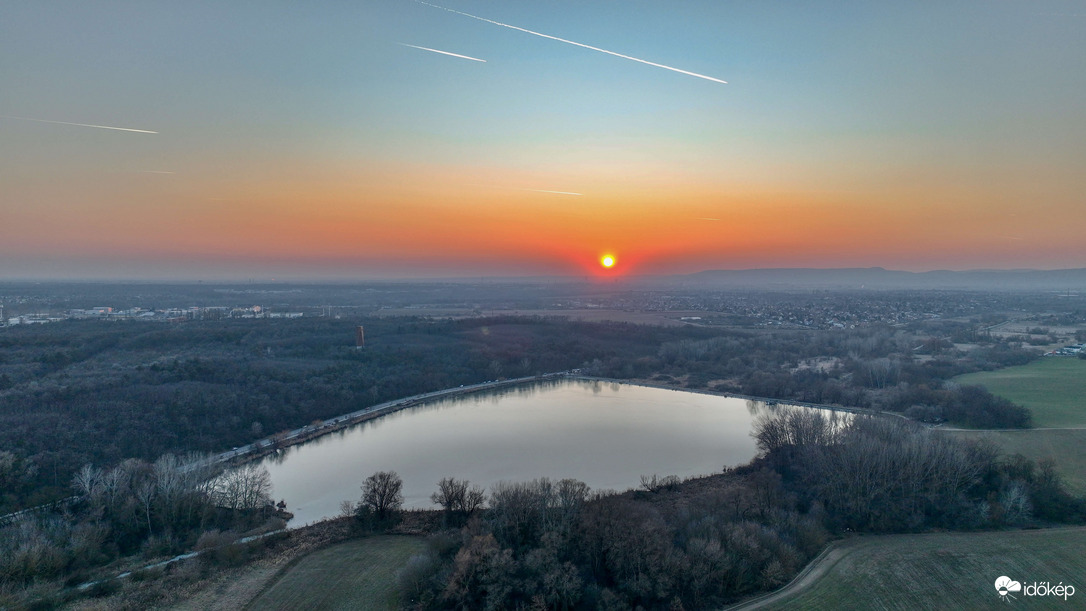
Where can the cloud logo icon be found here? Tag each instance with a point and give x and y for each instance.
(1005, 585)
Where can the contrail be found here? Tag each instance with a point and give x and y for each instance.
(474, 59)
(570, 42)
(555, 192)
(705, 218)
(123, 129)
(531, 190)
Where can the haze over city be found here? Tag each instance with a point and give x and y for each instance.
(467, 137)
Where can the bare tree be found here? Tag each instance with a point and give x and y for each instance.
(346, 509)
(451, 493)
(145, 494)
(382, 494)
(247, 487)
(474, 499)
(458, 498)
(791, 429)
(88, 481)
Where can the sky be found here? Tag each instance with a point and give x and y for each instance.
(365, 139)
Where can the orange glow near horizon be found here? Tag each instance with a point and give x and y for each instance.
(445, 218)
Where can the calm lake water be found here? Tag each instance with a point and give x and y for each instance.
(602, 433)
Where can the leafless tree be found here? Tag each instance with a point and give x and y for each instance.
(88, 481)
(247, 487)
(458, 498)
(474, 499)
(451, 493)
(145, 494)
(795, 428)
(346, 509)
(382, 494)
(656, 484)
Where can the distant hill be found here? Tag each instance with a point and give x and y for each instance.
(879, 278)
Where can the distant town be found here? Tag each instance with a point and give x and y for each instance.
(156, 315)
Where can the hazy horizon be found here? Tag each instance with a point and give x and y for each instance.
(802, 275)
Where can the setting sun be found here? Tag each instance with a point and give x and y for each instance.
(607, 261)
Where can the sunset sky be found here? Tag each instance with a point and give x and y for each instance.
(318, 140)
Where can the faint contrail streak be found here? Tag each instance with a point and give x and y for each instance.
(531, 190)
(570, 42)
(474, 59)
(705, 218)
(555, 192)
(122, 129)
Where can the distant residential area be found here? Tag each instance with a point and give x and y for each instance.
(155, 315)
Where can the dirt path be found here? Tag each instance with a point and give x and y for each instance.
(814, 571)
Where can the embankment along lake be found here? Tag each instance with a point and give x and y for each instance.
(603, 433)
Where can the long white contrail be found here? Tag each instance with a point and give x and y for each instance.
(122, 129)
(474, 59)
(578, 44)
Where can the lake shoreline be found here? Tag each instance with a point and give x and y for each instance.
(276, 443)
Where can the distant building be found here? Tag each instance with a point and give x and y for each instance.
(359, 338)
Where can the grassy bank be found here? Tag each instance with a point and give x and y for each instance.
(944, 571)
(1066, 447)
(358, 574)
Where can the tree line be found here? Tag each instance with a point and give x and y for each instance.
(162, 508)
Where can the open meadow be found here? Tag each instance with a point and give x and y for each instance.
(1053, 388)
(358, 575)
(940, 571)
(1066, 447)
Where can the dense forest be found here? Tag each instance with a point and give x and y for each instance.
(75, 393)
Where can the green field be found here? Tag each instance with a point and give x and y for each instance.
(1053, 388)
(1066, 447)
(359, 574)
(944, 571)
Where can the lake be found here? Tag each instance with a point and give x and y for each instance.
(605, 434)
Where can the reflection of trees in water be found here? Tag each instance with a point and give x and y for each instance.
(279, 456)
(769, 408)
(596, 386)
(756, 407)
(491, 396)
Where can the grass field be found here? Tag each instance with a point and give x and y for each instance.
(1066, 447)
(945, 571)
(359, 574)
(1053, 388)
